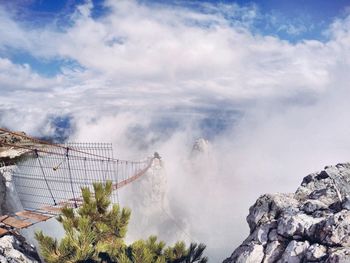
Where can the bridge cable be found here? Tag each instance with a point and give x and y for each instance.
(42, 170)
(70, 178)
(47, 143)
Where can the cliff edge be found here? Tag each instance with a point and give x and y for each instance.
(311, 225)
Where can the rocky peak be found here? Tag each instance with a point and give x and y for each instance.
(200, 146)
(311, 225)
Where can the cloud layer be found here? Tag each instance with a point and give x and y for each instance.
(137, 53)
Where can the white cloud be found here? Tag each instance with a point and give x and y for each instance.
(20, 77)
(138, 48)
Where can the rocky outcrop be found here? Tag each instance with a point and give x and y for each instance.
(152, 213)
(8, 153)
(2, 193)
(201, 146)
(16, 250)
(311, 225)
(13, 248)
(10, 202)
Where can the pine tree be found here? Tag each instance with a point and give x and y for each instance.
(95, 233)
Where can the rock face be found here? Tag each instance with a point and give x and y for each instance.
(151, 211)
(2, 193)
(311, 225)
(9, 201)
(14, 250)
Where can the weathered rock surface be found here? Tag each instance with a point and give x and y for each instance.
(12, 250)
(311, 225)
(2, 193)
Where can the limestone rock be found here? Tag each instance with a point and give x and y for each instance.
(335, 230)
(346, 203)
(316, 252)
(267, 207)
(339, 255)
(295, 252)
(14, 250)
(274, 251)
(297, 225)
(251, 253)
(2, 193)
(310, 206)
(311, 225)
(261, 233)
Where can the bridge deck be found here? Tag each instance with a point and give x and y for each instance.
(50, 176)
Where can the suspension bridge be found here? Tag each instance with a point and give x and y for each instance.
(49, 176)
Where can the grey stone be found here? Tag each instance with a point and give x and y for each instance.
(339, 255)
(2, 192)
(310, 206)
(250, 253)
(346, 203)
(297, 225)
(335, 230)
(295, 252)
(273, 251)
(267, 207)
(15, 251)
(282, 226)
(261, 233)
(316, 252)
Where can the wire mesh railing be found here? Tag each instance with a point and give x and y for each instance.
(54, 174)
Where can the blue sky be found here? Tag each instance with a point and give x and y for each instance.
(317, 14)
(293, 21)
(189, 53)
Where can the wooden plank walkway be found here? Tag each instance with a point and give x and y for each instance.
(16, 222)
(32, 215)
(3, 231)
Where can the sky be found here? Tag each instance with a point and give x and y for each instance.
(265, 81)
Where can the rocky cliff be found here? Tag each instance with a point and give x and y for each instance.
(152, 213)
(13, 246)
(14, 249)
(311, 225)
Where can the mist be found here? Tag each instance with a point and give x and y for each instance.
(268, 149)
